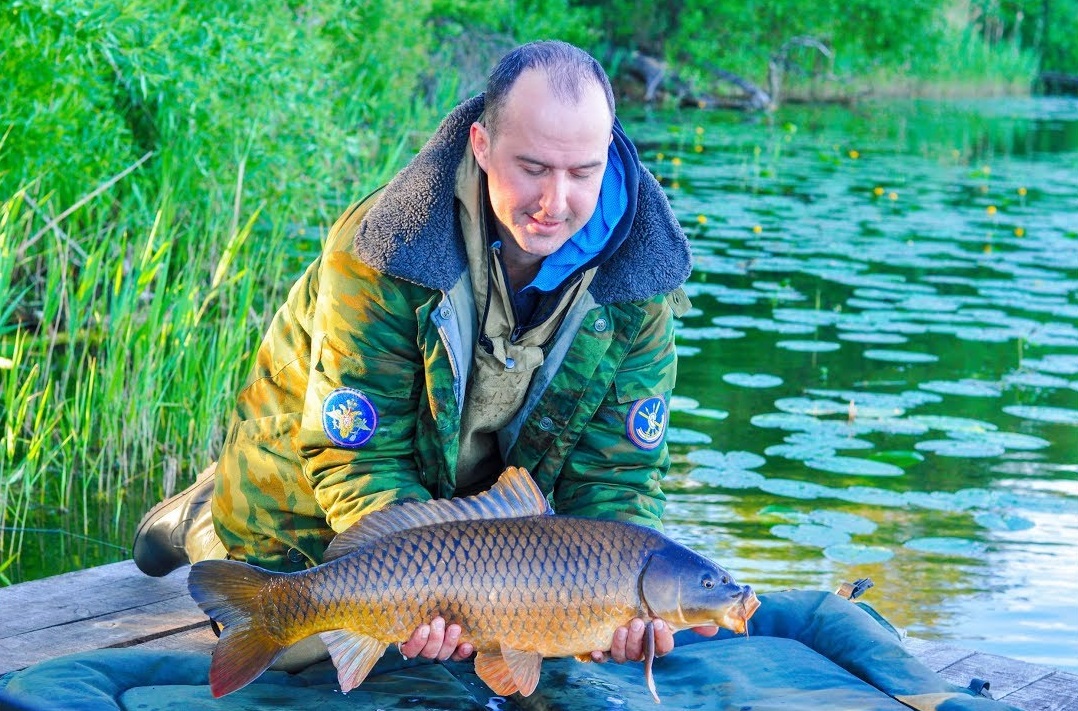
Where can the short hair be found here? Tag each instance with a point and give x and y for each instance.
(568, 69)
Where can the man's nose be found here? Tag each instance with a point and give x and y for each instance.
(555, 196)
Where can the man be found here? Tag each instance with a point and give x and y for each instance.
(508, 299)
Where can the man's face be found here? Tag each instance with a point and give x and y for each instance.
(544, 166)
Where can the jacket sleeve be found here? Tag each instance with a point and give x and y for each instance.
(612, 473)
(363, 338)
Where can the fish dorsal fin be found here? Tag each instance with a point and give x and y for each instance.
(353, 654)
(514, 495)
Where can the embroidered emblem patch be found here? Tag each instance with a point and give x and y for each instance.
(646, 422)
(348, 417)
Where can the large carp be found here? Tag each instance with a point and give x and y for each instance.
(522, 584)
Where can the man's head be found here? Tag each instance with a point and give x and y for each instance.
(543, 145)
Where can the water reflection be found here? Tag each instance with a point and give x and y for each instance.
(886, 315)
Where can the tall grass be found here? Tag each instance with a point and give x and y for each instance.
(166, 174)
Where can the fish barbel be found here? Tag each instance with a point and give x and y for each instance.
(523, 584)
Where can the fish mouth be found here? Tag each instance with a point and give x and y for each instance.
(737, 616)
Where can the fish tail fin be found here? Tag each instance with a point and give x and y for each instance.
(228, 591)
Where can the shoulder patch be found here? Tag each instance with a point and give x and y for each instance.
(348, 417)
(646, 422)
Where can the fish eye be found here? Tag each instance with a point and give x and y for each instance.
(707, 582)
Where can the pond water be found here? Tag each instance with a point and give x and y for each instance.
(879, 375)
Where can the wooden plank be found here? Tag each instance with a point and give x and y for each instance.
(1056, 692)
(936, 655)
(1006, 676)
(199, 639)
(83, 595)
(125, 627)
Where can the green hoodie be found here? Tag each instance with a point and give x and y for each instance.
(358, 386)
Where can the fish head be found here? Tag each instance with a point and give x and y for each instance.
(687, 590)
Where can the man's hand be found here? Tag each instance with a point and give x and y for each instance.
(628, 642)
(436, 641)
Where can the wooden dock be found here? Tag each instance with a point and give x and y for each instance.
(117, 606)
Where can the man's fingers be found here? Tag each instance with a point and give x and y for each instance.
(449, 644)
(634, 641)
(617, 645)
(434, 639)
(463, 652)
(664, 638)
(414, 646)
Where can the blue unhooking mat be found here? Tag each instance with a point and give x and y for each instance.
(806, 651)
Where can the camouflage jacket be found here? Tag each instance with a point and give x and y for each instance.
(357, 390)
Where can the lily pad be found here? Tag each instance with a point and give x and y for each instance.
(787, 421)
(810, 534)
(842, 521)
(680, 403)
(955, 448)
(810, 406)
(708, 333)
(739, 321)
(945, 545)
(726, 460)
(967, 386)
(854, 466)
(879, 339)
(1009, 440)
(796, 489)
(953, 424)
(727, 478)
(1003, 522)
(708, 413)
(891, 356)
(1057, 364)
(857, 554)
(871, 496)
(752, 380)
(1035, 380)
(1042, 413)
(827, 439)
(809, 346)
(682, 435)
(799, 452)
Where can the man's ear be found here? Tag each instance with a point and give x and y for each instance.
(480, 140)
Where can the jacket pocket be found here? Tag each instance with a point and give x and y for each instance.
(388, 377)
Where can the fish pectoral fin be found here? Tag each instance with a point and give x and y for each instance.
(525, 668)
(495, 673)
(353, 654)
(512, 670)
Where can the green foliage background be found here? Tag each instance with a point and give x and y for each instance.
(167, 168)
